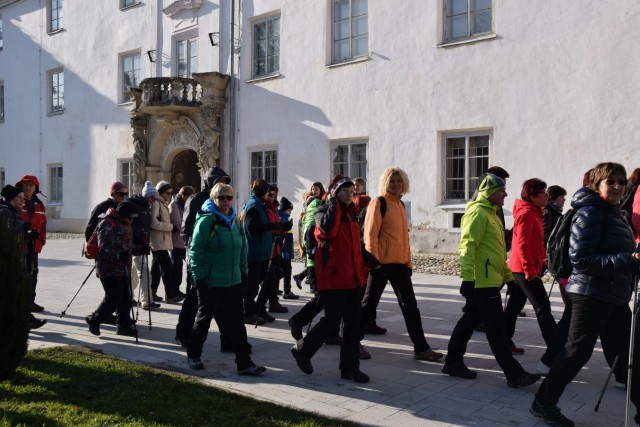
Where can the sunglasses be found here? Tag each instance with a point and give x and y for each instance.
(122, 193)
(620, 181)
(227, 198)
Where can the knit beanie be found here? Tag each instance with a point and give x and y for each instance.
(490, 184)
(337, 186)
(163, 186)
(116, 186)
(149, 190)
(285, 204)
(127, 209)
(9, 192)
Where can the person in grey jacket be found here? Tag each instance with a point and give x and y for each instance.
(604, 261)
(176, 211)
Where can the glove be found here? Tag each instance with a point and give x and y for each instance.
(33, 235)
(146, 250)
(286, 226)
(26, 227)
(409, 271)
(466, 288)
(174, 230)
(510, 285)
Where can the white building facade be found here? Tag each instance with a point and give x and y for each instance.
(440, 88)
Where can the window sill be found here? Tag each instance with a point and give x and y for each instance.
(453, 207)
(350, 61)
(51, 33)
(125, 104)
(55, 113)
(131, 6)
(263, 78)
(51, 203)
(469, 40)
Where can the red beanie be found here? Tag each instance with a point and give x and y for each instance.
(116, 186)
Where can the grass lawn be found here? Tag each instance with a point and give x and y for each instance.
(74, 386)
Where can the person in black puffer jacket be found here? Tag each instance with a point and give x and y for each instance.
(604, 265)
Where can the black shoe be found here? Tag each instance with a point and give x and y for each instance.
(298, 281)
(550, 414)
(94, 325)
(252, 369)
(296, 331)
(290, 295)
(254, 319)
(375, 329)
(522, 314)
(267, 317)
(110, 320)
(35, 308)
(195, 363)
(459, 369)
(525, 379)
(36, 323)
(128, 331)
(303, 363)
(156, 298)
(355, 375)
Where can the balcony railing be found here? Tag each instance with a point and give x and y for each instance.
(170, 91)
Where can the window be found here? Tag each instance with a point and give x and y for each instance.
(466, 159)
(1, 102)
(55, 184)
(55, 15)
(350, 159)
(127, 3)
(130, 73)
(1, 32)
(266, 47)
(56, 91)
(264, 164)
(187, 55)
(126, 172)
(350, 29)
(467, 18)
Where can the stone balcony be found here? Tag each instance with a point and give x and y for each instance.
(161, 94)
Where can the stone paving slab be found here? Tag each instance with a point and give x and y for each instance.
(402, 391)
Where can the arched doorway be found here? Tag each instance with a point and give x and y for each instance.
(184, 171)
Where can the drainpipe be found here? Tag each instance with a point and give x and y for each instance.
(232, 96)
(43, 29)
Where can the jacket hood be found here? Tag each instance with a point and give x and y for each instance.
(587, 197)
(212, 175)
(521, 207)
(481, 202)
(32, 179)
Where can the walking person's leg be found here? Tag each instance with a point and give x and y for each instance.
(177, 259)
(537, 295)
(198, 335)
(168, 275)
(376, 283)
(515, 303)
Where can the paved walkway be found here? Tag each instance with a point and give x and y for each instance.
(402, 391)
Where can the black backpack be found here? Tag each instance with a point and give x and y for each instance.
(558, 246)
(141, 225)
(383, 212)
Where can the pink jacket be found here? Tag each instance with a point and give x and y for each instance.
(635, 215)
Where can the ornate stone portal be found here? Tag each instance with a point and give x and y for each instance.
(171, 116)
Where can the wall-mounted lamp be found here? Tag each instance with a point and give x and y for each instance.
(213, 38)
(152, 55)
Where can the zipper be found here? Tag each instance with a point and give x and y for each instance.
(486, 269)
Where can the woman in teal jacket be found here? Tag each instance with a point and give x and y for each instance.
(218, 258)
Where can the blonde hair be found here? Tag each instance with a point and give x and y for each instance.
(385, 179)
(219, 189)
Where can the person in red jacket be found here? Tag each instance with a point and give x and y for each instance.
(527, 260)
(340, 274)
(34, 214)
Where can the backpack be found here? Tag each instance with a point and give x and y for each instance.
(90, 250)
(383, 212)
(626, 204)
(558, 246)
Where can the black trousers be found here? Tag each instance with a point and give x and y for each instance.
(285, 267)
(486, 307)
(589, 318)
(398, 275)
(117, 296)
(188, 311)
(163, 266)
(255, 276)
(339, 305)
(225, 306)
(177, 259)
(534, 291)
(32, 268)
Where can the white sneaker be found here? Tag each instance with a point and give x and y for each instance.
(621, 385)
(543, 369)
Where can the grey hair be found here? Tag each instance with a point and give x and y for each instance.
(221, 188)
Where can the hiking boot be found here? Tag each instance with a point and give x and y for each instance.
(252, 369)
(254, 319)
(303, 363)
(195, 363)
(175, 300)
(290, 295)
(334, 340)
(550, 414)
(94, 325)
(363, 353)
(35, 308)
(458, 369)
(157, 298)
(127, 331)
(151, 306)
(522, 314)
(375, 329)
(525, 379)
(296, 331)
(356, 376)
(517, 351)
(277, 308)
(429, 355)
(298, 281)
(267, 317)
(36, 323)
(543, 369)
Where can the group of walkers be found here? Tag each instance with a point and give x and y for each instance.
(353, 245)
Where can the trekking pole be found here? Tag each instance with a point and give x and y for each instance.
(149, 295)
(552, 283)
(139, 294)
(606, 383)
(632, 341)
(74, 297)
(264, 284)
(130, 293)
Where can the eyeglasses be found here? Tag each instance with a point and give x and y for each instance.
(272, 194)
(122, 193)
(620, 181)
(227, 198)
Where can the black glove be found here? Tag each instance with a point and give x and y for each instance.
(287, 225)
(146, 250)
(466, 288)
(26, 227)
(409, 271)
(33, 235)
(510, 285)
(175, 230)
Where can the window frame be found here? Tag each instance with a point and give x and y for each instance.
(55, 25)
(334, 52)
(2, 111)
(268, 20)
(188, 60)
(469, 189)
(350, 163)
(56, 184)
(123, 87)
(263, 168)
(55, 103)
(1, 33)
(126, 4)
(126, 178)
(471, 34)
